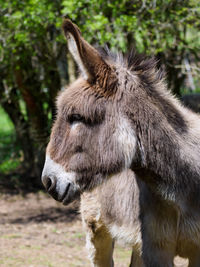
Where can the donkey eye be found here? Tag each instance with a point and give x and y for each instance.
(75, 118)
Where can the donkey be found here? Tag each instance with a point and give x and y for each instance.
(119, 115)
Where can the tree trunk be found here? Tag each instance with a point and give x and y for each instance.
(38, 120)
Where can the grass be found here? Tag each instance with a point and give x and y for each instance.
(9, 150)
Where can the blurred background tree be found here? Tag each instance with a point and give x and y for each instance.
(35, 63)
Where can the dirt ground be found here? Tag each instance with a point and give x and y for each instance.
(37, 231)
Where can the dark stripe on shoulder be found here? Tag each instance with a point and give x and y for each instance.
(173, 116)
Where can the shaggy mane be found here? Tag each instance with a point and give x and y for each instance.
(136, 62)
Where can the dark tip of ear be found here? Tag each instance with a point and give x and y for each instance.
(69, 26)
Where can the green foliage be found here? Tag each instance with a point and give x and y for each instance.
(27, 21)
(153, 26)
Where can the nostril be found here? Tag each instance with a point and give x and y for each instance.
(49, 183)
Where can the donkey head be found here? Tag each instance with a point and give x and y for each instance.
(92, 137)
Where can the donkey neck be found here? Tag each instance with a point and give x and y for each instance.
(169, 148)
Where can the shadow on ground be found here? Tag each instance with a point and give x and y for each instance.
(35, 208)
(50, 214)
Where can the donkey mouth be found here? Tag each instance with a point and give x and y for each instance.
(70, 194)
(64, 195)
(62, 191)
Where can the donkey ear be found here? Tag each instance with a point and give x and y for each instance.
(87, 58)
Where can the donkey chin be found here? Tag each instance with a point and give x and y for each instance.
(59, 183)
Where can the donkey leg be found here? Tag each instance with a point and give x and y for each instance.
(158, 258)
(136, 259)
(155, 255)
(99, 242)
(100, 246)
